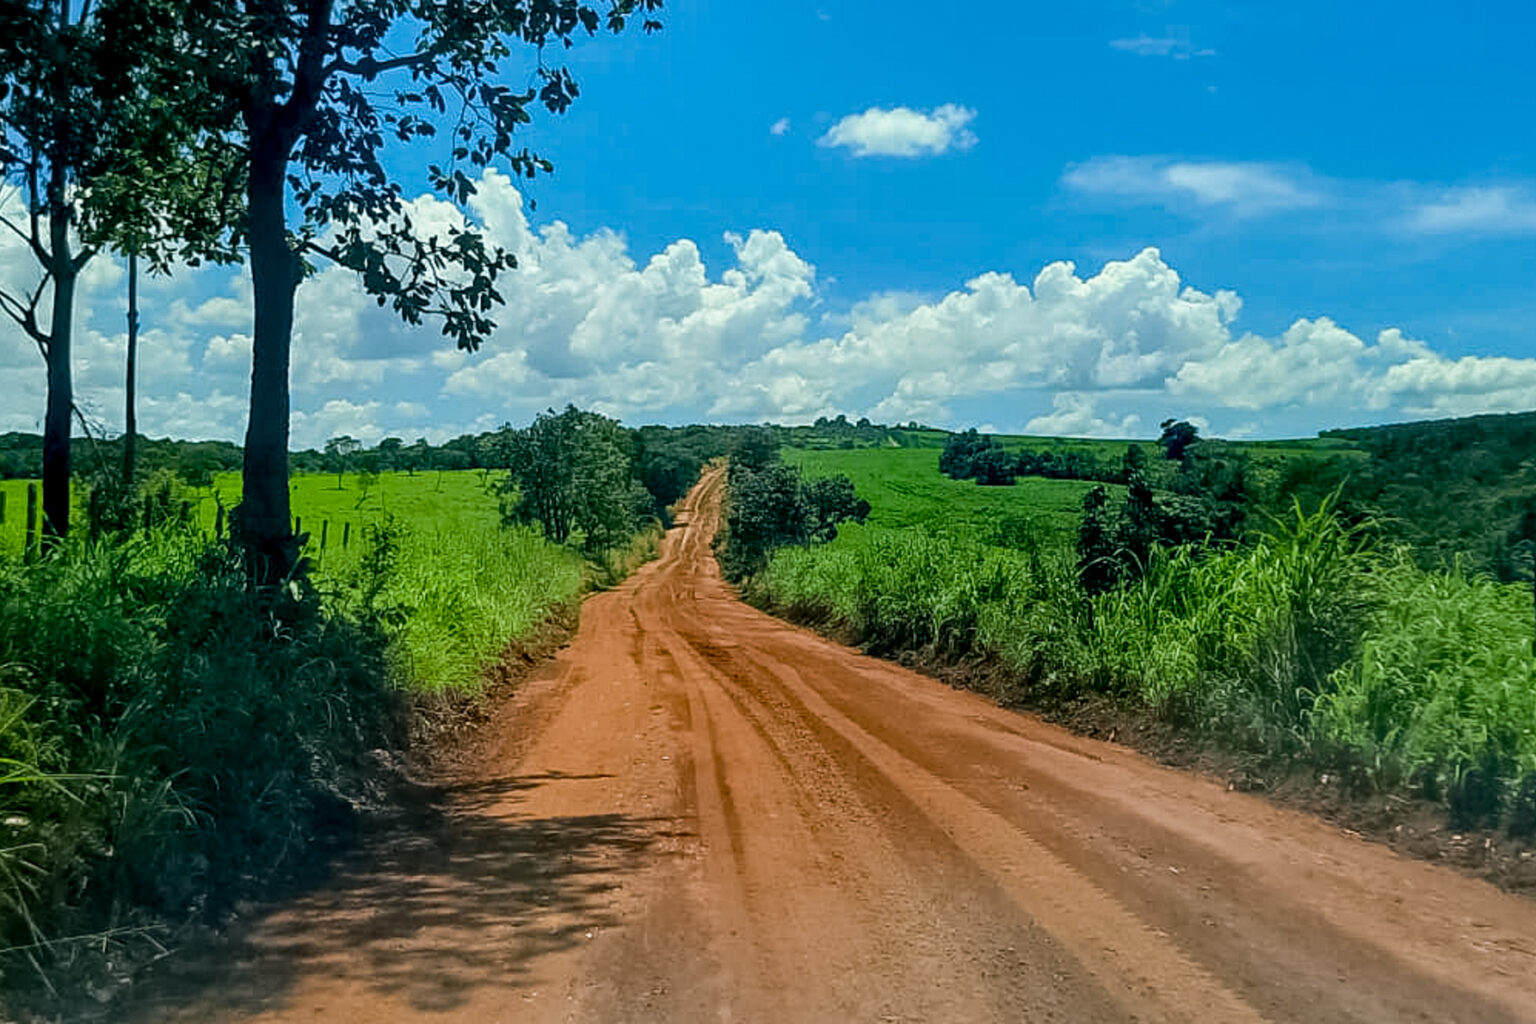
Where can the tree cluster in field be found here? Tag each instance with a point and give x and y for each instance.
(970, 455)
(1207, 506)
(769, 505)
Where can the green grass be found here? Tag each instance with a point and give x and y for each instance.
(464, 585)
(449, 500)
(463, 592)
(1304, 643)
(905, 489)
(13, 528)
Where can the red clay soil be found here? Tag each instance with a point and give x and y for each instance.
(697, 813)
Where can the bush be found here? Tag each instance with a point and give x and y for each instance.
(769, 507)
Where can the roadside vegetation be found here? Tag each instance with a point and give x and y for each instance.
(172, 741)
(1206, 590)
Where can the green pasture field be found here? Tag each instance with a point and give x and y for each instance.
(13, 526)
(905, 489)
(447, 502)
(1115, 448)
(450, 501)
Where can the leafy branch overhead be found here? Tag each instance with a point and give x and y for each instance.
(324, 86)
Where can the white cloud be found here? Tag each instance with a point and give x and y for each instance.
(1482, 210)
(903, 132)
(661, 336)
(1176, 46)
(1244, 189)
(779, 127)
(1073, 414)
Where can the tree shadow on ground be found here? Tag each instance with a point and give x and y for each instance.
(428, 911)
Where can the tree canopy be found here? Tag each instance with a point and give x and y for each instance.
(573, 473)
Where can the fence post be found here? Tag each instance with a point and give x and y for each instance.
(2, 508)
(298, 525)
(218, 524)
(29, 548)
(325, 532)
(346, 534)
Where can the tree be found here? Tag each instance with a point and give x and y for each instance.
(1177, 438)
(573, 472)
(196, 467)
(764, 509)
(1097, 565)
(100, 158)
(993, 467)
(338, 455)
(828, 502)
(390, 452)
(367, 472)
(1142, 525)
(131, 376)
(415, 457)
(316, 90)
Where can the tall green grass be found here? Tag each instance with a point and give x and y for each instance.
(454, 598)
(1307, 643)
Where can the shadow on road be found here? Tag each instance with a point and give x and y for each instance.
(429, 910)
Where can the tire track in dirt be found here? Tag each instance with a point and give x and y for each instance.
(699, 813)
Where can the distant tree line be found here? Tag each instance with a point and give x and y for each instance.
(1457, 489)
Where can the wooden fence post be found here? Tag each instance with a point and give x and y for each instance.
(218, 524)
(2, 508)
(29, 548)
(346, 534)
(325, 532)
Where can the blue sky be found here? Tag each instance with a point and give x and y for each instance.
(781, 211)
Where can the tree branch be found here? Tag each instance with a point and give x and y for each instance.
(26, 315)
(84, 256)
(31, 242)
(369, 69)
(309, 72)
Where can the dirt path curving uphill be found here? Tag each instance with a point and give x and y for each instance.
(698, 813)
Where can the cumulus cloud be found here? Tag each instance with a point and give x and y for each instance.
(1245, 189)
(661, 336)
(779, 127)
(903, 132)
(1074, 414)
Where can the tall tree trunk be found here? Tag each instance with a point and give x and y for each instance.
(61, 386)
(61, 389)
(265, 531)
(130, 418)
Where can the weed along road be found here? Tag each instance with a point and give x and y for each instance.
(699, 813)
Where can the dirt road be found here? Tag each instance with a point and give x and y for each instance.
(699, 813)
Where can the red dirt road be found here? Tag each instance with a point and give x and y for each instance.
(699, 813)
